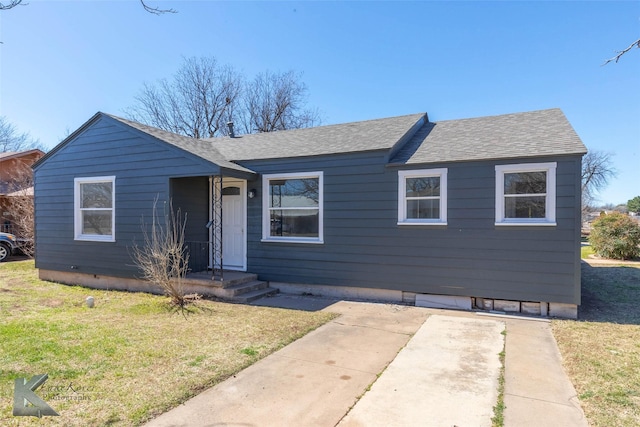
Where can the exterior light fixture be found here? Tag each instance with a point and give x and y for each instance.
(252, 193)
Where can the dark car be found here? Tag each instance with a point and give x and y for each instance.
(8, 245)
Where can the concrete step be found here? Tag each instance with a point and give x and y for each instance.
(231, 278)
(254, 295)
(243, 288)
(236, 278)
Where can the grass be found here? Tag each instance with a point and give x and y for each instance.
(586, 251)
(130, 358)
(498, 410)
(601, 351)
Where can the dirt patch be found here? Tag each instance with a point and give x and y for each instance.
(53, 303)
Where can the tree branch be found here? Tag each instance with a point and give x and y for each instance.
(155, 10)
(11, 4)
(622, 52)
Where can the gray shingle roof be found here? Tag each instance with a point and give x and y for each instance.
(201, 148)
(519, 135)
(531, 134)
(380, 134)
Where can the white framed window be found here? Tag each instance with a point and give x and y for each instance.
(526, 194)
(292, 206)
(422, 197)
(94, 208)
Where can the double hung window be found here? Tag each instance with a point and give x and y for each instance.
(293, 207)
(526, 194)
(422, 196)
(94, 208)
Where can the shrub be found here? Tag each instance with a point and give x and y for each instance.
(163, 259)
(615, 236)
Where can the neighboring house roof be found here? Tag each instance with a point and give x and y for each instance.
(7, 182)
(530, 134)
(16, 154)
(380, 134)
(22, 193)
(6, 154)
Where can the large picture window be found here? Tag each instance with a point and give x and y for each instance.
(95, 208)
(422, 197)
(526, 194)
(292, 207)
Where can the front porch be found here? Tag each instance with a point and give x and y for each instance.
(215, 236)
(214, 209)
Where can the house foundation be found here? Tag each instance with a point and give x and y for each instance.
(544, 309)
(233, 288)
(237, 286)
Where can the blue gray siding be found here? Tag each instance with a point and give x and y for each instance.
(142, 166)
(191, 197)
(364, 246)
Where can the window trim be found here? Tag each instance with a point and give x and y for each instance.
(266, 217)
(402, 196)
(550, 196)
(77, 209)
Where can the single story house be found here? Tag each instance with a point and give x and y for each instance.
(481, 211)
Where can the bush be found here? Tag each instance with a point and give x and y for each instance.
(615, 236)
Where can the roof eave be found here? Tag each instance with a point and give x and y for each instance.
(487, 159)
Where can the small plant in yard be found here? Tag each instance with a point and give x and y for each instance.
(498, 410)
(163, 258)
(615, 236)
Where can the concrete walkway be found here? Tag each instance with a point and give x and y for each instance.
(382, 364)
(450, 363)
(537, 390)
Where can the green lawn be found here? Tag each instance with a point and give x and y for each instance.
(585, 251)
(129, 358)
(601, 351)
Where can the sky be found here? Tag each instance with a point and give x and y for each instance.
(62, 61)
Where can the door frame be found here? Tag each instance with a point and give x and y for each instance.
(230, 182)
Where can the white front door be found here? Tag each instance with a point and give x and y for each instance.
(234, 220)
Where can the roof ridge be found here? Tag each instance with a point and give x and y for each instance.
(359, 122)
(502, 115)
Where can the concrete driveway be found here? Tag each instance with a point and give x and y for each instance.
(384, 364)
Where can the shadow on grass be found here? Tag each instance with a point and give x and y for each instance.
(296, 302)
(610, 293)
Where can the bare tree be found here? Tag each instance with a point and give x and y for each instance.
(21, 208)
(11, 4)
(597, 170)
(197, 102)
(13, 140)
(275, 101)
(155, 10)
(163, 259)
(203, 96)
(622, 52)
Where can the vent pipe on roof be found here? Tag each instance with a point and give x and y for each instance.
(230, 126)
